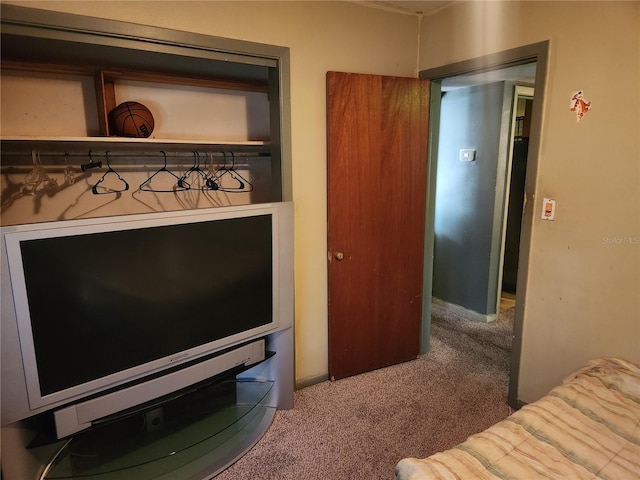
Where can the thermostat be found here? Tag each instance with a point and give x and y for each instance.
(467, 155)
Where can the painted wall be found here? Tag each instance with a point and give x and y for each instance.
(470, 118)
(322, 36)
(583, 297)
(584, 275)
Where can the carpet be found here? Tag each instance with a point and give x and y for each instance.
(360, 427)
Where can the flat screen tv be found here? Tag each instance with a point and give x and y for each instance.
(104, 302)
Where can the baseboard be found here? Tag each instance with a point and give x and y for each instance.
(309, 381)
(465, 312)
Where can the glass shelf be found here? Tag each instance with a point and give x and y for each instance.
(194, 436)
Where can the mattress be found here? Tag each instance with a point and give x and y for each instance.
(586, 428)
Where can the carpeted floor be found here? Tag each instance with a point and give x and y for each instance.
(361, 426)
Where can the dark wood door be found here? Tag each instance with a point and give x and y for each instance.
(377, 172)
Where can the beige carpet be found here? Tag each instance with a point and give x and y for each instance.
(359, 427)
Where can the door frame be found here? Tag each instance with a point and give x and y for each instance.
(537, 52)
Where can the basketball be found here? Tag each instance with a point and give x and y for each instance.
(131, 119)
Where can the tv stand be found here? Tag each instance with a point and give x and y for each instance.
(195, 436)
(240, 417)
(77, 417)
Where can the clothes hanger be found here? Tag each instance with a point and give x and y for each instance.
(86, 166)
(178, 187)
(69, 174)
(197, 170)
(37, 180)
(243, 184)
(211, 181)
(112, 172)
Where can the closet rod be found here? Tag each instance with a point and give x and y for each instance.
(20, 159)
(140, 167)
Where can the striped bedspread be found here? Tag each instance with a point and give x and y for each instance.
(586, 428)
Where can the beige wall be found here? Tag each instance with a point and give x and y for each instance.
(583, 296)
(322, 36)
(582, 300)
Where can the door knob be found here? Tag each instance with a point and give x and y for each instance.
(339, 255)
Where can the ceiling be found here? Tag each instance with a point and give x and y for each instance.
(413, 7)
(522, 74)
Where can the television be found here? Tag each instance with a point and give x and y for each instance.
(112, 312)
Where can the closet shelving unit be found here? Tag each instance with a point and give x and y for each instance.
(61, 150)
(39, 42)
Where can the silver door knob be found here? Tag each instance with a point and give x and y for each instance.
(339, 255)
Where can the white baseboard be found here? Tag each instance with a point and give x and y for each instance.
(465, 312)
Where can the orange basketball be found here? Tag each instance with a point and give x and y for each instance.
(131, 119)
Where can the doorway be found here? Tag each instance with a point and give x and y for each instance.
(536, 53)
(514, 196)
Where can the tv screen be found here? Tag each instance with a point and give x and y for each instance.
(106, 302)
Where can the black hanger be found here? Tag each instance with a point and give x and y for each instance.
(197, 170)
(113, 172)
(211, 181)
(86, 166)
(244, 185)
(180, 186)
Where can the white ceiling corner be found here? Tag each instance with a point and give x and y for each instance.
(411, 7)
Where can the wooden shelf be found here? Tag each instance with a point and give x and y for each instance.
(111, 75)
(130, 140)
(105, 82)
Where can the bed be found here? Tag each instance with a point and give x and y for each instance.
(586, 428)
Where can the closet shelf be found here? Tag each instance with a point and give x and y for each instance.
(136, 141)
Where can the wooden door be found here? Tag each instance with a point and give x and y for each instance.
(377, 172)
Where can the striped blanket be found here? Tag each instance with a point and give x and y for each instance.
(586, 428)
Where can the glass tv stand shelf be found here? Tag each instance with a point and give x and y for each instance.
(192, 437)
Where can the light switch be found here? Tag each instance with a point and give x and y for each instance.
(467, 155)
(548, 209)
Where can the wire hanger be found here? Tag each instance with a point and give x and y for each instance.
(244, 185)
(125, 185)
(178, 187)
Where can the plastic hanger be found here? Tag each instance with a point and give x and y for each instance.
(69, 174)
(37, 180)
(91, 164)
(180, 185)
(112, 172)
(182, 182)
(243, 184)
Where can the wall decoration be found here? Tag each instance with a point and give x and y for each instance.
(579, 105)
